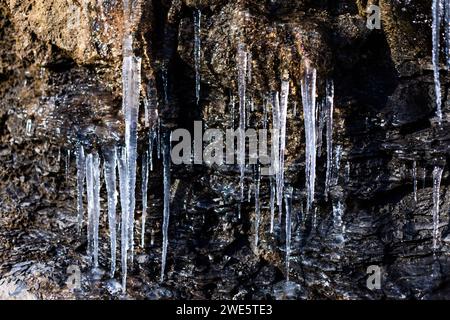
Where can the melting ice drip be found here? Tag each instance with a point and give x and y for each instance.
(437, 176)
(144, 189)
(308, 85)
(197, 51)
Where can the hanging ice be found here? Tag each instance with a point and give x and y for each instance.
(131, 92)
(166, 214)
(81, 169)
(437, 176)
(447, 31)
(288, 204)
(309, 111)
(272, 204)
(242, 64)
(110, 179)
(336, 165)
(93, 196)
(257, 207)
(414, 174)
(197, 51)
(282, 125)
(124, 200)
(144, 196)
(276, 128)
(437, 8)
(329, 108)
(67, 164)
(338, 211)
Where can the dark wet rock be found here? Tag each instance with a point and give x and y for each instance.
(64, 84)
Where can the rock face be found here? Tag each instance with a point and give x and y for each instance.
(60, 83)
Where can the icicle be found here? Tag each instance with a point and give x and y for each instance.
(144, 196)
(165, 79)
(93, 196)
(272, 204)
(329, 108)
(81, 172)
(166, 214)
(437, 7)
(257, 207)
(131, 93)
(197, 51)
(447, 31)
(414, 174)
(110, 179)
(336, 165)
(288, 204)
(338, 212)
(309, 111)
(232, 107)
(276, 147)
(437, 176)
(67, 164)
(124, 200)
(321, 116)
(284, 97)
(242, 64)
(150, 150)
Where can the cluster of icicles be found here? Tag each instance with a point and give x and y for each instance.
(317, 115)
(123, 160)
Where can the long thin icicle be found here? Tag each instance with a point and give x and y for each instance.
(329, 108)
(437, 176)
(197, 51)
(242, 64)
(81, 172)
(110, 179)
(124, 200)
(93, 195)
(276, 147)
(166, 214)
(309, 112)
(437, 8)
(144, 188)
(90, 202)
(272, 204)
(257, 207)
(284, 97)
(288, 203)
(131, 90)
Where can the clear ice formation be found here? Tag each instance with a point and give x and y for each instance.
(288, 204)
(197, 51)
(93, 197)
(437, 10)
(124, 200)
(166, 214)
(110, 179)
(242, 65)
(145, 167)
(308, 86)
(329, 108)
(81, 172)
(437, 176)
(257, 207)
